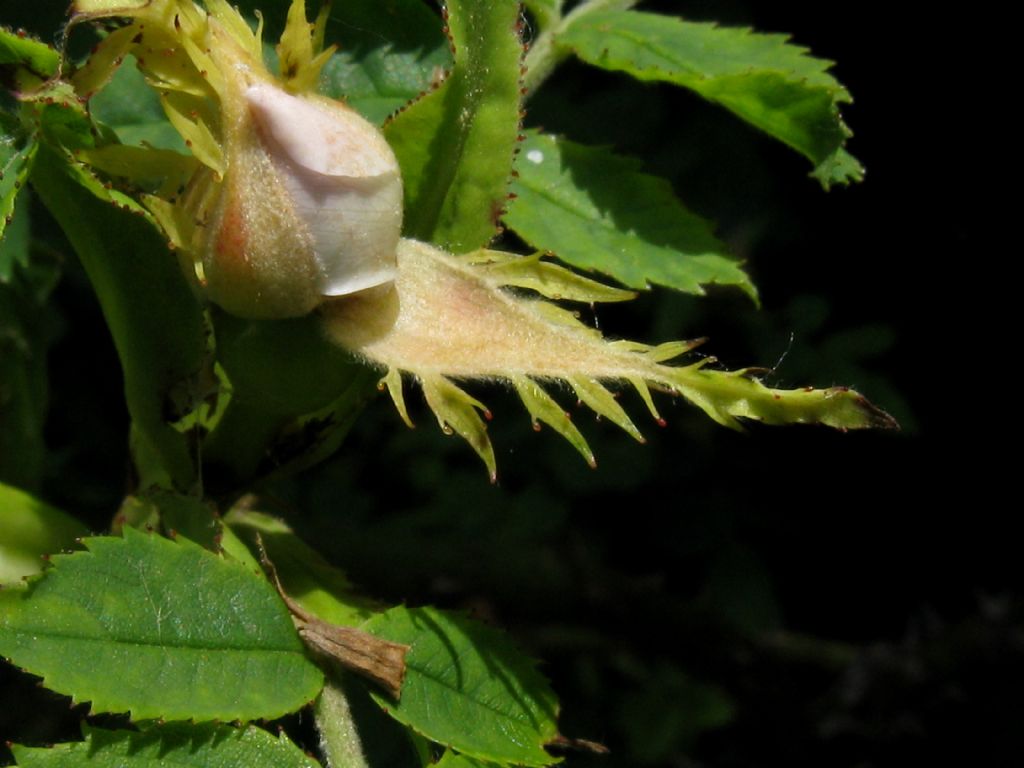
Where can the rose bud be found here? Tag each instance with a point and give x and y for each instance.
(297, 197)
(310, 207)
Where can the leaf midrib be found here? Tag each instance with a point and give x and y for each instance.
(147, 644)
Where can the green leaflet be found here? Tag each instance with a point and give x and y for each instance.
(160, 630)
(31, 530)
(598, 211)
(468, 687)
(455, 145)
(388, 54)
(761, 78)
(187, 746)
(155, 320)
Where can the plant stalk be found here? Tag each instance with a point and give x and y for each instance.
(545, 54)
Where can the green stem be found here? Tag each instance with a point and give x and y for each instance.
(545, 54)
(339, 738)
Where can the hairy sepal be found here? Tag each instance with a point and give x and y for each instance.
(450, 318)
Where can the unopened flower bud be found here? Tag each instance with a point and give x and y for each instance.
(344, 184)
(297, 198)
(310, 206)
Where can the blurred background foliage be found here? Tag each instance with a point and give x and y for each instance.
(781, 596)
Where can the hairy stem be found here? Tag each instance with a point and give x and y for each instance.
(339, 739)
(545, 55)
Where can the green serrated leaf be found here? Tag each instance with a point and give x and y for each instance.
(155, 320)
(762, 78)
(455, 145)
(598, 211)
(30, 530)
(160, 630)
(388, 54)
(187, 746)
(468, 687)
(838, 168)
(307, 577)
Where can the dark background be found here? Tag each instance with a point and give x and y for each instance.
(781, 596)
